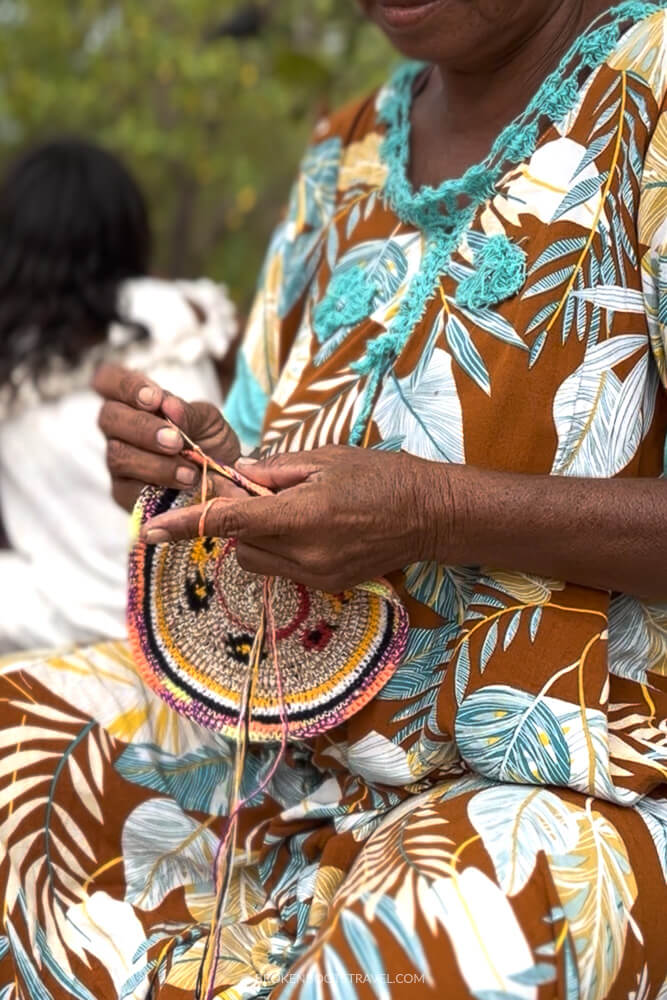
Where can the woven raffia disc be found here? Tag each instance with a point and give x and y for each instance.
(193, 614)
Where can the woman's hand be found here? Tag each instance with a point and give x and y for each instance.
(141, 445)
(340, 516)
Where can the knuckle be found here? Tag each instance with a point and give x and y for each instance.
(129, 383)
(143, 424)
(236, 523)
(221, 523)
(277, 460)
(101, 376)
(229, 438)
(124, 495)
(285, 518)
(243, 557)
(326, 504)
(116, 453)
(312, 559)
(103, 418)
(199, 418)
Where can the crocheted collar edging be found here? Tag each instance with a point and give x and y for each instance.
(444, 213)
(438, 208)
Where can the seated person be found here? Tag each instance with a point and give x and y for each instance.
(75, 290)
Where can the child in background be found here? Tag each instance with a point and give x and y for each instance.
(74, 290)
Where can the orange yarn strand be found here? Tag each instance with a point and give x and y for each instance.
(225, 859)
(224, 862)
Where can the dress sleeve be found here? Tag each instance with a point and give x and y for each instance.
(289, 267)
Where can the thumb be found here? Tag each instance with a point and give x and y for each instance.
(204, 424)
(279, 472)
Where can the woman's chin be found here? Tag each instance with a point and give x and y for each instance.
(431, 30)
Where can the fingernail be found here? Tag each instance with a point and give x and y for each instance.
(156, 536)
(185, 475)
(246, 461)
(147, 396)
(169, 438)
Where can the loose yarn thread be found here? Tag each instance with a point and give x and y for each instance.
(226, 850)
(224, 860)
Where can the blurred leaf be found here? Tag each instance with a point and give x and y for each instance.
(213, 129)
(298, 69)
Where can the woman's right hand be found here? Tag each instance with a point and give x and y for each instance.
(142, 447)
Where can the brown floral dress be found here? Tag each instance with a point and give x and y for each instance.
(494, 824)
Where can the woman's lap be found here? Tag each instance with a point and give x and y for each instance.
(502, 891)
(111, 811)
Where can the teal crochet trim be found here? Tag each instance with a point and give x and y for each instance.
(440, 208)
(444, 213)
(348, 300)
(500, 271)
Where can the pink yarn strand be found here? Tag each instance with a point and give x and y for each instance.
(224, 856)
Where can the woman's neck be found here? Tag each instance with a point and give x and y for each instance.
(461, 110)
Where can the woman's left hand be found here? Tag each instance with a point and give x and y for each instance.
(339, 516)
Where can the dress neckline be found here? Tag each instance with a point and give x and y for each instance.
(445, 213)
(447, 207)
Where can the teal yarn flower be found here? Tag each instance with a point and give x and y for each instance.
(500, 271)
(348, 300)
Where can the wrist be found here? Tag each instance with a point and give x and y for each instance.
(445, 512)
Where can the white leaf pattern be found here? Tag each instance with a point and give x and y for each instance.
(599, 418)
(183, 854)
(424, 409)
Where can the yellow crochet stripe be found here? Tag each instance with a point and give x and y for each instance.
(302, 698)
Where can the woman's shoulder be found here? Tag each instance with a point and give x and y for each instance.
(351, 122)
(185, 320)
(642, 53)
(345, 148)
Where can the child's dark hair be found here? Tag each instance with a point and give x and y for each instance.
(73, 226)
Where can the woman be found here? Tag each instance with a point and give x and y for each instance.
(74, 289)
(493, 824)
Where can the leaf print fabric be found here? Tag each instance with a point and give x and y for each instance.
(494, 824)
(422, 411)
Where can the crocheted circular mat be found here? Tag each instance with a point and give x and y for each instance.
(194, 616)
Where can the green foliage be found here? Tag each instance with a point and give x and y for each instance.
(212, 127)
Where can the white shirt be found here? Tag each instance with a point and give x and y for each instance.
(64, 581)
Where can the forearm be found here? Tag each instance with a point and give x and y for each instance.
(601, 533)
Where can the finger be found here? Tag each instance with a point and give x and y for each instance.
(279, 472)
(256, 560)
(218, 486)
(127, 386)
(126, 492)
(178, 411)
(205, 425)
(285, 547)
(252, 516)
(124, 461)
(143, 430)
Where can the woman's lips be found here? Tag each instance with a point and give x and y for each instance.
(403, 14)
